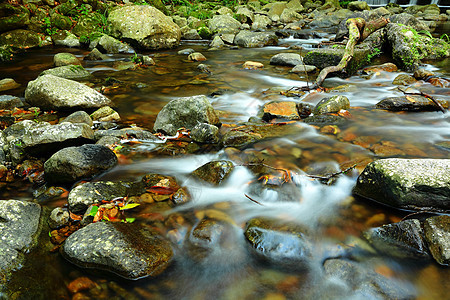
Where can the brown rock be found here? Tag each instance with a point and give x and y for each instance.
(80, 284)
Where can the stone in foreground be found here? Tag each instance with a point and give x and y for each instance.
(52, 92)
(19, 225)
(437, 235)
(418, 184)
(74, 163)
(402, 240)
(128, 250)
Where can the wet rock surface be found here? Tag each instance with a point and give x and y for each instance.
(127, 250)
(280, 243)
(410, 103)
(214, 172)
(407, 183)
(89, 193)
(72, 72)
(332, 105)
(73, 163)
(250, 39)
(437, 235)
(401, 240)
(18, 231)
(52, 92)
(286, 59)
(185, 112)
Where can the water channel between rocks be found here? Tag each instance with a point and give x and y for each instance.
(230, 272)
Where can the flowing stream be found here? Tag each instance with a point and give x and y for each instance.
(230, 271)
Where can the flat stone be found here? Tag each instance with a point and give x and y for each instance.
(411, 103)
(279, 109)
(286, 59)
(8, 84)
(422, 184)
(299, 69)
(127, 250)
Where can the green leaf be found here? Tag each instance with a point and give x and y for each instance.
(93, 211)
(50, 234)
(129, 206)
(130, 220)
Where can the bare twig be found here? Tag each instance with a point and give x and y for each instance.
(306, 73)
(251, 199)
(327, 177)
(417, 213)
(420, 93)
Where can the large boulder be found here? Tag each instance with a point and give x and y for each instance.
(422, 184)
(409, 47)
(21, 39)
(248, 39)
(224, 24)
(286, 59)
(125, 249)
(185, 112)
(52, 92)
(19, 228)
(74, 163)
(144, 27)
(13, 17)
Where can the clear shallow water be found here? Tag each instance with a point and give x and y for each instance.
(230, 271)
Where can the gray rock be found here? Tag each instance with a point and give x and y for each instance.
(128, 250)
(64, 59)
(43, 138)
(66, 39)
(250, 39)
(95, 54)
(217, 42)
(185, 112)
(401, 240)
(186, 51)
(412, 103)
(110, 45)
(205, 133)
(71, 72)
(261, 22)
(286, 59)
(74, 163)
(224, 24)
(244, 15)
(79, 117)
(437, 235)
(289, 16)
(358, 5)
(126, 133)
(191, 34)
(228, 38)
(409, 20)
(331, 105)
(239, 139)
(9, 102)
(357, 281)
(144, 26)
(422, 184)
(301, 69)
(214, 172)
(89, 193)
(52, 92)
(279, 242)
(8, 84)
(321, 120)
(19, 228)
(58, 217)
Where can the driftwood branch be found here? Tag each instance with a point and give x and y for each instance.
(358, 30)
(426, 96)
(288, 173)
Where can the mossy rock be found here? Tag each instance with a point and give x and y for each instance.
(13, 17)
(205, 32)
(61, 22)
(88, 24)
(21, 39)
(5, 53)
